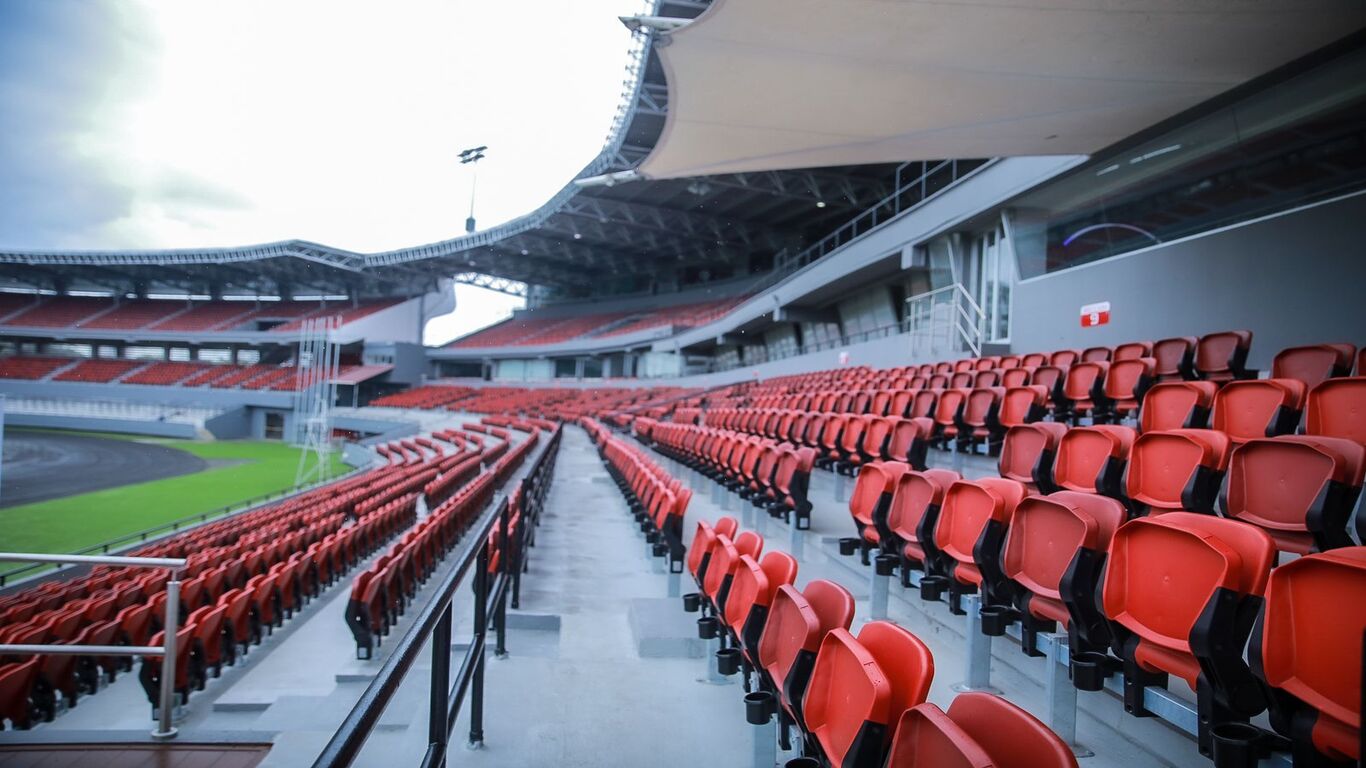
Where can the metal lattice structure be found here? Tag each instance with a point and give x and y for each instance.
(315, 373)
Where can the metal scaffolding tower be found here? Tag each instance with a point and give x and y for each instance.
(315, 391)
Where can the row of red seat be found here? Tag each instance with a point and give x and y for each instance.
(381, 593)
(532, 328)
(243, 575)
(1167, 594)
(771, 475)
(176, 315)
(1243, 410)
(857, 700)
(660, 500)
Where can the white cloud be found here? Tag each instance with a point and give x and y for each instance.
(340, 121)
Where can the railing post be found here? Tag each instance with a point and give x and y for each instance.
(437, 736)
(481, 623)
(165, 727)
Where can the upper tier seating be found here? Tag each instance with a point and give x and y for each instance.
(177, 314)
(533, 328)
(60, 312)
(31, 368)
(98, 371)
(167, 373)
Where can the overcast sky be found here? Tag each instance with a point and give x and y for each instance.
(177, 123)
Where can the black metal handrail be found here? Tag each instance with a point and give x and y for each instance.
(435, 620)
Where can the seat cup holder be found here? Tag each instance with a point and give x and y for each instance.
(1237, 745)
(1089, 670)
(932, 588)
(707, 627)
(659, 549)
(885, 564)
(995, 619)
(728, 661)
(848, 546)
(645, 526)
(692, 602)
(802, 762)
(760, 706)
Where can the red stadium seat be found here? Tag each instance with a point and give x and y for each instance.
(1300, 489)
(1014, 377)
(977, 421)
(1055, 551)
(1083, 390)
(1181, 469)
(909, 441)
(1132, 350)
(1126, 384)
(913, 515)
(1307, 648)
(858, 689)
(1175, 358)
(979, 731)
(797, 622)
(1028, 452)
(1223, 356)
(1096, 355)
(871, 499)
(1257, 408)
(1022, 405)
(751, 596)
(971, 531)
(1314, 363)
(1177, 405)
(1180, 589)
(1337, 408)
(1093, 459)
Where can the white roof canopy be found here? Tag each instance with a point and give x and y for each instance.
(774, 84)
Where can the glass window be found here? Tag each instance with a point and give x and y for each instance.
(1295, 142)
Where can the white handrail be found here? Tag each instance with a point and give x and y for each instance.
(167, 651)
(962, 316)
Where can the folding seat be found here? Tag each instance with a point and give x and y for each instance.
(1093, 460)
(966, 364)
(979, 731)
(985, 379)
(1132, 350)
(1175, 358)
(1180, 469)
(1337, 408)
(1050, 378)
(1034, 360)
(1126, 383)
(1096, 355)
(861, 402)
(1022, 405)
(913, 515)
(1222, 356)
(859, 688)
(762, 480)
(797, 623)
(1027, 454)
(189, 667)
(24, 697)
(1177, 405)
(909, 441)
(1064, 358)
(987, 363)
(829, 449)
(882, 403)
(848, 455)
(926, 369)
(924, 403)
(971, 531)
(1251, 409)
(791, 484)
(918, 382)
(1181, 591)
(1307, 647)
(870, 500)
(947, 409)
(961, 380)
(751, 596)
(938, 381)
(877, 429)
(1014, 377)
(1314, 363)
(1055, 552)
(135, 623)
(977, 421)
(209, 632)
(1083, 390)
(1300, 489)
(725, 558)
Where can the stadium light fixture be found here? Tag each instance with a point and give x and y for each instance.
(609, 179)
(472, 156)
(653, 23)
(820, 203)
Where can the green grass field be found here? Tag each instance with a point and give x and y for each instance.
(65, 525)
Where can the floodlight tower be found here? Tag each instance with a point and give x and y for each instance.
(471, 157)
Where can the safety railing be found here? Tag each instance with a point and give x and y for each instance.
(491, 595)
(945, 319)
(167, 651)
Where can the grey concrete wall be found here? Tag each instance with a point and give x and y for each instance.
(91, 424)
(1296, 278)
(230, 425)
